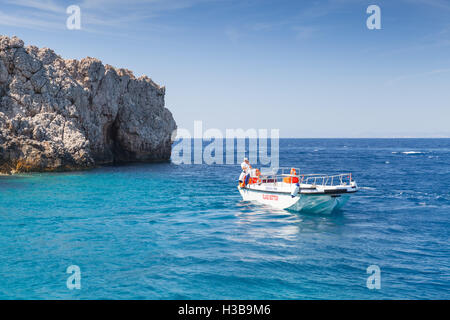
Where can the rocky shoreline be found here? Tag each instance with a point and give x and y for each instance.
(58, 115)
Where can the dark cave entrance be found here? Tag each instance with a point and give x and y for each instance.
(112, 141)
(118, 153)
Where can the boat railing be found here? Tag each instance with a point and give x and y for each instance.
(327, 180)
(284, 175)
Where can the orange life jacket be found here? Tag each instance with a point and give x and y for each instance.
(291, 179)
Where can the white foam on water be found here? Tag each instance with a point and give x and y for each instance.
(408, 152)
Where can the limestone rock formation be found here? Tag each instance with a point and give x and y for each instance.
(58, 114)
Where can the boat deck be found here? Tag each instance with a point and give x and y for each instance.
(307, 184)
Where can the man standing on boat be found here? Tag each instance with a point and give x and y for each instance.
(245, 175)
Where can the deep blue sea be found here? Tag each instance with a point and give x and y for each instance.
(166, 231)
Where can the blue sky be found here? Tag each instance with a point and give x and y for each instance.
(309, 68)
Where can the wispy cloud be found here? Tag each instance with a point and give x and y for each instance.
(32, 14)
(304, 23)
(304, 32)
(440, 4)
(44, 5)
(29, 21)
(49, 14)
(416, 75)
(153, 5)
(433, 41)
(233, 34)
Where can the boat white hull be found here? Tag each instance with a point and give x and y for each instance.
(311, 203)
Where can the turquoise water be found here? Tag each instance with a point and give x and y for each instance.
(182, 232)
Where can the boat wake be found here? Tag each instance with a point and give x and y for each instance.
(408, 152)
(367, 188)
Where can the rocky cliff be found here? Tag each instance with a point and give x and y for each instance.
(58, 114)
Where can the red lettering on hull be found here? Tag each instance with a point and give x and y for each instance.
(270, 197)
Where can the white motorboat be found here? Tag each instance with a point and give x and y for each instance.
(285, 188)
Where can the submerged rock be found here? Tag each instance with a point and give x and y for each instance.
(58, 114)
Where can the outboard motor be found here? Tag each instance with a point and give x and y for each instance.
(295, 190)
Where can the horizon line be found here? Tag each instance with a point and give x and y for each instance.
(447, 137)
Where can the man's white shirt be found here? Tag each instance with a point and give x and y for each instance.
(245, 167)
